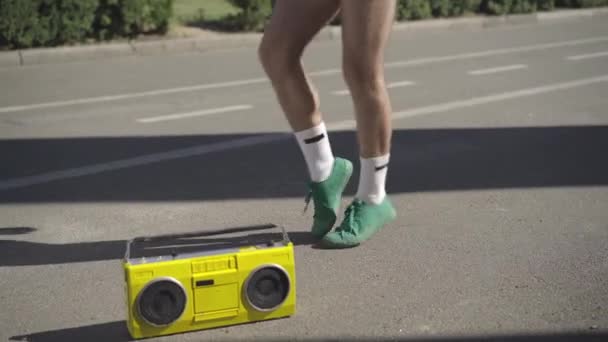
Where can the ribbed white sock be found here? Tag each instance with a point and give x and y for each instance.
(314, 143)
(372, 179)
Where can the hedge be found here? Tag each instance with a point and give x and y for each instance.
(581, 3)
(32, 23)
(128, 18)
(253, 15)
(423, 9)
(25, 23)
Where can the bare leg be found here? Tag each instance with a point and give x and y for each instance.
(366, 27)
(365, 30)
(293, 25)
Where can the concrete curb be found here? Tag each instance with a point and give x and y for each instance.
(223, 41)
(72, 54)
(183, 45)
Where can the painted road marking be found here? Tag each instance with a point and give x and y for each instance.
(327, 72)
(128, 96)
(588, 56)
(199, 113)
(497, 69)
(389, 86)
(261, 139)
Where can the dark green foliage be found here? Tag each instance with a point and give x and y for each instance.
(581, 3)
(453, 8)
(498, 7)
(546, 5)
(460, 7)
(502, 7)
(523, 6)
(128, 18)
(26, 23)
(253, 15)
(33, 23)
(413, 9)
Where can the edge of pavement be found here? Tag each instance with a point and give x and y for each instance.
(36, 56)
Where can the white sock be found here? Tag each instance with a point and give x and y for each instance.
(314, 143)
(372, 179)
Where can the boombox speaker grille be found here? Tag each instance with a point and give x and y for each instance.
(162, 302)
(267, 288)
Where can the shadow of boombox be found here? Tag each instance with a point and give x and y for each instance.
(185, 282)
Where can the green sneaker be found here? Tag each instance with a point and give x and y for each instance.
(361, 221)
(327, 196)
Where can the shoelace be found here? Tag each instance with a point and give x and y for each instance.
(307, 200)
(350, 213)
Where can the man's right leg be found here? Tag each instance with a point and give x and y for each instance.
(292, 26)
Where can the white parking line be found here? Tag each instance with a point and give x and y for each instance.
(448, 106)
(205, 112)
(139, 161)
(497, 69)
(260, 139)
(327, 72)
(127, 96)
(588, 56)
(341, 92)
(389, 86)
(400, 84)
(496, 52)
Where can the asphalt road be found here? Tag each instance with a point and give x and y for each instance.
(499, 174)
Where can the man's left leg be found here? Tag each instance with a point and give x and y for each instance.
(366, 27)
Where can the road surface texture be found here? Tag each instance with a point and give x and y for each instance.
(499, 173)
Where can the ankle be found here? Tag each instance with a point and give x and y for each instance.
(315, 146)
(373, 199)
(373, 179)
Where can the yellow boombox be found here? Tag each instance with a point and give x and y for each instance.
(182, 282)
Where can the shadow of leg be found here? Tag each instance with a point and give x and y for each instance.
(112, 331)
(16, 230)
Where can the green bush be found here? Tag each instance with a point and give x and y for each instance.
(34, 23)
(498, 7)
(253, 15)
(581, 3)
(501, 7)
(453, 8)
(27, 23)
(413, 9)
(546, 5)
(460, 7)
(128, 18)
(523, 6)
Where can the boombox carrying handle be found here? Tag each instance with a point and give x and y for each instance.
(203, 233)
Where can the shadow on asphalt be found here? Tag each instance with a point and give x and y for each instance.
(422, 160)
(25, 253)
(117, 332)
(16, 230)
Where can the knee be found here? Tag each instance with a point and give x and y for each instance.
(276, 58)
(363, 77)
